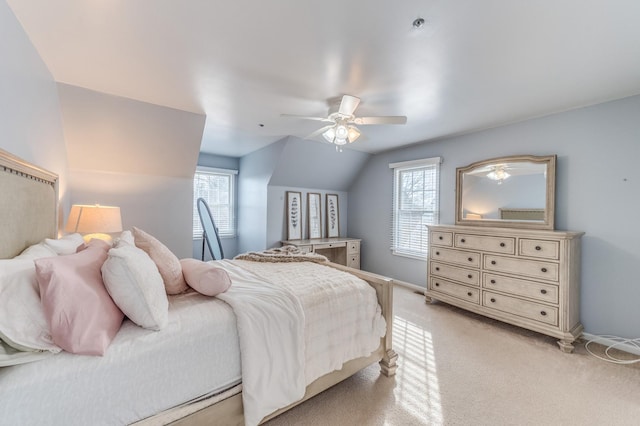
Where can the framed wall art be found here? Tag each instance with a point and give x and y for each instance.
(314, 215)
(294, 215)
(332, 221)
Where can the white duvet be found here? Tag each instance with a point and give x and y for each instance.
(297, 322)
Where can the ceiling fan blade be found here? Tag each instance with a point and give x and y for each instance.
(348, 105)
(304, 117)
(319, 131)
(398, 119)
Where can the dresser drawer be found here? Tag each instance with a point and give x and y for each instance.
(531, 268)
(353, 261)
(353, 247)
(329, 245)
(504, 245)
(535, 311)
(459, 291)
(539, 248)
(305, 249)
(465, 258)
(467, 276)
(442, 238)
(531, 289)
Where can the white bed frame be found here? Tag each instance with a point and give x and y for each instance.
(29, 213)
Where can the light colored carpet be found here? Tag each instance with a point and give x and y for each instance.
(458, 368)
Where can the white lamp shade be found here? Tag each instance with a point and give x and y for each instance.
(94, 219)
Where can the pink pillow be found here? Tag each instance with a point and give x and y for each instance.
(205, 278)
(166, 262)
(81, 315)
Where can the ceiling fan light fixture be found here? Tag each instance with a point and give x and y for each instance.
(353, 134)
(330, 134)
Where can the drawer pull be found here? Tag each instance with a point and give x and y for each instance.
(543, 291)
(469, 293)
(544, 269)
(469, 276)
(437, 253)
(463, 240)
(470, 259)
(538, 248)
(437, 284)
(543, 313)
(493, 281)
(493, 262)
(493, 300)
(502, 244)
(437, 268)
(440, 237)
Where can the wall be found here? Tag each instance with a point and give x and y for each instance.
(229, 245)
(291, 164)
(30, 121)
(597, 187)
(135, 155)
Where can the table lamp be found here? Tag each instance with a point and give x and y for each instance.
(94, 221)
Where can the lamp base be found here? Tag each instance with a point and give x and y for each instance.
(103, 237)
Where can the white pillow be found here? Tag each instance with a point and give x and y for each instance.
(126, 238)
(36, 251)
(65, 245)
(135, 285)
(22, 322)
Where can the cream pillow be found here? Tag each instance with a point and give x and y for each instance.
(166, 262)
(37, 251)
(135, 285)
(23, 324)
(65, 245)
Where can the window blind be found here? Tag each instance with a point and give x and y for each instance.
(416, 196)
(216, 186)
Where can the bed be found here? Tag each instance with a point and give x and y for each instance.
(196, 369)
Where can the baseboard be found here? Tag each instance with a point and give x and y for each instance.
(608, 342)
(409, 285)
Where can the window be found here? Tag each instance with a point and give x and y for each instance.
(216, 186)
(416, 194)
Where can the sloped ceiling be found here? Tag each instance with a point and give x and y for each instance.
(113, 134)
(473, 65)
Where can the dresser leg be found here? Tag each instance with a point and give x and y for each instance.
(428, 299)
(566, 345)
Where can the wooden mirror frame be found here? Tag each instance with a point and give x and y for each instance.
(549, 212)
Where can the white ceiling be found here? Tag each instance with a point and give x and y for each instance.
(475, 64)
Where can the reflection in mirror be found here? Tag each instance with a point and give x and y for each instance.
(509, 191)
(210, 236)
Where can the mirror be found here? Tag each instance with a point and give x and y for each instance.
(516, 191)
(210, 237)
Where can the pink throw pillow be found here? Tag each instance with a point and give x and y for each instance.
(166, 262)
(81, 315)
(205, 278)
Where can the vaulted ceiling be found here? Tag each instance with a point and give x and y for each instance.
(242, 63)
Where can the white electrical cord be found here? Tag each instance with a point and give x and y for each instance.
(618, 342)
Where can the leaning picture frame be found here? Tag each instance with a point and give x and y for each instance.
(314, 215)
(332, 220)
(294, 215)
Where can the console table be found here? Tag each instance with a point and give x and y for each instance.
(345, 251)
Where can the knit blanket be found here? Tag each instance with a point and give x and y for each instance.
(282, 254)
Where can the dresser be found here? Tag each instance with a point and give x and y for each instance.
(528, 278)
(345, 251)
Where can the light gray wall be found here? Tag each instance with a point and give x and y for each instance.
(229, 245)
(135, 155)
(255, 172)
(597, 191)
(30, 121)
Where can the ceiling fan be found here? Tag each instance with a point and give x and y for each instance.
(342, 127)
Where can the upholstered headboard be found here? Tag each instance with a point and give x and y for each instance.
(28, 204)
(522, 214)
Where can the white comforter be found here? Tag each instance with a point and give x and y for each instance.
(297, 322)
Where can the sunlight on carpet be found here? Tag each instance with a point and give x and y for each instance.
(418, 389)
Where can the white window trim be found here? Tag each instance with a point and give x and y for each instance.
(232, 173)
(404, 166)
